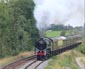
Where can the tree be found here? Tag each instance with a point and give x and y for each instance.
(17, 27)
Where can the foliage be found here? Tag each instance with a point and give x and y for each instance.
(81, 48)
(17, 27)
(60, 27)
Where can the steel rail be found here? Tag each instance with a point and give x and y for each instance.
(39, 64)
(19, 62)
(30, 64)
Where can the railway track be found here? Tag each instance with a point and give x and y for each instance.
(19, 62)
(34, 65)
(30, 64)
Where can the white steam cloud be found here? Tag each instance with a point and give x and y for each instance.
(65, 12)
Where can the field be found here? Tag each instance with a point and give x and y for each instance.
(53, 33)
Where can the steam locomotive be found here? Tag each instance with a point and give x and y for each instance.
(47, 47)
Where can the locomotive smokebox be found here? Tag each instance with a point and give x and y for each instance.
(40, 44)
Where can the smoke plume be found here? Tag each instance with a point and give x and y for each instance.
(47, 12)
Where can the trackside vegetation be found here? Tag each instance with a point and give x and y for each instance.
(17, 27)
(66, 60)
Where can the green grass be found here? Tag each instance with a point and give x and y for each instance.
(65, 60)
(50, 33)
(53, 33)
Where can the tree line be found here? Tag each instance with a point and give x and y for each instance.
(17, 27)
(62, 27)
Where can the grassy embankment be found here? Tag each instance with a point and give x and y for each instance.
(65, 60)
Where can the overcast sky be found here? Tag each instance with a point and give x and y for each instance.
(67, 12)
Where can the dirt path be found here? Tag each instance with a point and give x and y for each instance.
(80, 64)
